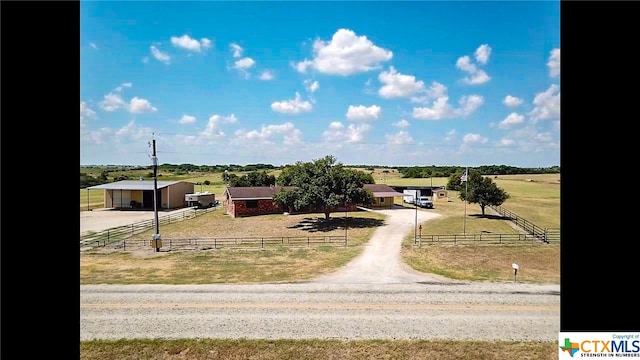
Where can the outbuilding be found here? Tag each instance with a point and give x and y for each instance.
(138, 194)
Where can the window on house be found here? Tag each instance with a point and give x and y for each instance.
(252, 203)
(441, 194)
(381, 200)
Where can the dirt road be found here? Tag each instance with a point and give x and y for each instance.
(375, 296)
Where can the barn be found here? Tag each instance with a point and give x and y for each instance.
(138, 194)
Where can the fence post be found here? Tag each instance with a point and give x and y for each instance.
(214, 243)
(262, 242)
(124, 244)
(169, 244)
(107, 234)
(131, 229)
(308, 242)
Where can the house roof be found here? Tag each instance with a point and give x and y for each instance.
(255, 192)
(382, 190)
(133, 185)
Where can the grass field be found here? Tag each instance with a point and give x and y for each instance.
(274, 264)
(315, 349)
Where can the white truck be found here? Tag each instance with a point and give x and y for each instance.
(410, 196)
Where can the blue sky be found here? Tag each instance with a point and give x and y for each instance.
(377, 83)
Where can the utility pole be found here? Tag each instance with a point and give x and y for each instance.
(156, 237)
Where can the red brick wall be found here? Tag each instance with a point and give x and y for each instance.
(239, 208)
(264, 207)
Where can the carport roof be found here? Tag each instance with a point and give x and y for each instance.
(133, 185)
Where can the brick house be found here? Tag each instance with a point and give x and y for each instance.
(258, 200)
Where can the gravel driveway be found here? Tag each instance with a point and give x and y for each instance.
(373, 297)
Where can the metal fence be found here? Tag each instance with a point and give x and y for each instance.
(120, 233)
(543, 234)
(482, 238)
(220, 243)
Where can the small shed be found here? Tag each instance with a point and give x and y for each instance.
(138, 194)
(440, 194)
(384, 195)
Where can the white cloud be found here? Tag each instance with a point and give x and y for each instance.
(554, 63)
(244, 63)
(266, 75)
(288, 131)
(187, 119)
(159, 55)
(401, 124)
(399, 138)
(112, 102)
(505, 142)
(511, 120)
(311, 86)
(482, 53)
(85, 113)
(212, 130)
(476, 76)
(363, 113)
(398, 85)
(132, 132)
(206, 43)
(464, 64)
(139, 105)
(469, 104)
(440, 107)
(190, 44)
(123, 85)
(354, 133)
(547, 104)
(512, 101)
(292, 107)
(93, 45)
(97, 137)
(345, 54)
(435, 91)
(237, 50)
(474, 139)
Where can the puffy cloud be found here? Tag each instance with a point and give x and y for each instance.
(476, 76)
(237, 50)
(511, 120)
(266, 75)
(399, 138)
(187, 43)
(187, 119)
(401, 124)
(311, 86)
(512, 101)
(292, 107)
(547, 104)
(345, 54)
(139, 105)
(244, 63)
(554, 63)
(159, 55)
(397, 85)
(440, 107)
(354, 133)
(290, 135)
(363, 113)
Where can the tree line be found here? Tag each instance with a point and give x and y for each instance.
(446, 171)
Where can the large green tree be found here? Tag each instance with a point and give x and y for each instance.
(322, 185)
(478, 190)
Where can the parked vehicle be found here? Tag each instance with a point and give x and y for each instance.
(410, 196)
(425, 202)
